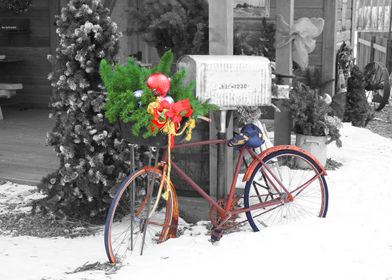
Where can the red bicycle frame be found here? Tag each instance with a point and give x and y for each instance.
(266, 171)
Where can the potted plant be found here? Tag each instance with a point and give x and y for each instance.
(313, 121)
(140, 101)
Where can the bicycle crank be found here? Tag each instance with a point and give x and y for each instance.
(217, 221)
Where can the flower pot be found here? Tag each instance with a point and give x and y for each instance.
(316, 145)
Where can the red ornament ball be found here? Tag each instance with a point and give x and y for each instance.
(159, 83)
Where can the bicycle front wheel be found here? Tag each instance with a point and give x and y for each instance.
(299, 175)
(124, 231)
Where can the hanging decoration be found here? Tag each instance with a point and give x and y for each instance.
(168, 115)
(302, 34)
(150, 101)
(139, 97)
(17, 6)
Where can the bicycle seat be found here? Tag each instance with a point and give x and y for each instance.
(250, 136)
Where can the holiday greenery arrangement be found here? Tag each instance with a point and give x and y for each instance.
(93, 158)
(17, 6)
(177, 25)
(134, 99)
(311, 115)
(358, 110)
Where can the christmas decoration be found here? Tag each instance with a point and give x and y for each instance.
(177, 25)
(169, 99)
(167, 118)
(17, 6)
(93, 159)
(148, 109)
(121, 81)
(137, 93)
(159, 83)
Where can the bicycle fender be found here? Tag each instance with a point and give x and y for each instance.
(267, 152)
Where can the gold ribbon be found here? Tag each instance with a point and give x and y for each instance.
(170, 130)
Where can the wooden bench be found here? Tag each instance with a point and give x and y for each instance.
(7, 91)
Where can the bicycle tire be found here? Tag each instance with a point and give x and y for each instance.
(161, 221)
(257, 190)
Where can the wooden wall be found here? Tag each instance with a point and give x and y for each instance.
(372, 46)
(33, 49)
(303, 8)
(344, 21)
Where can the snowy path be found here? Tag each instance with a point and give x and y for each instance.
(353, 242)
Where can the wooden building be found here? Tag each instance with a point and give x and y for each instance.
(32, 45)
(37, 38)
(29, 45)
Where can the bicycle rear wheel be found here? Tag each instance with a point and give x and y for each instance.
(293, 169)
(118, 227)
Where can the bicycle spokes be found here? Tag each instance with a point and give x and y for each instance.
(288, 186)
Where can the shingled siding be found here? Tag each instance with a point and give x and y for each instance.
(32, 48)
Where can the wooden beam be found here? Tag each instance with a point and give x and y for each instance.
(354, 22)
(221, 27)
(380, 48)
(220, 43)
(364, 42)
(284, 65)
(54, 9)
(329, 44)
(284, 61)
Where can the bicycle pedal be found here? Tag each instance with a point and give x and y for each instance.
(216, 235)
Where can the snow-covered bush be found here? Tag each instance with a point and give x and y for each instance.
(92, 157)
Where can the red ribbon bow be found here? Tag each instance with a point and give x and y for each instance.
(170, 112)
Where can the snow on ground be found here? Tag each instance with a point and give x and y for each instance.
(17, 197)
(353, 242)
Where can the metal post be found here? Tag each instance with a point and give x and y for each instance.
(220, 43)
(224, 171)
(389, 45)
(221, 184)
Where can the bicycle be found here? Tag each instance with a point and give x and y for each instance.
(283, 183)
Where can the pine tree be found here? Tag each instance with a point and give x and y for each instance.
(92, 157)
(177, 25)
